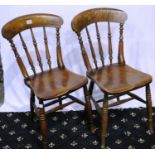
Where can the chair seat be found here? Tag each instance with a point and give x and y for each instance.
(119, 78)
(55, 82)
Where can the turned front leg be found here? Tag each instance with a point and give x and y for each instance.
(104, 121)
(43, 126)
(88, 109)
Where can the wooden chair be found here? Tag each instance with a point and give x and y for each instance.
(114, 79)
(53, 84)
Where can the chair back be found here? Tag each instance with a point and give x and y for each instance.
(28, 23)
(84, 20)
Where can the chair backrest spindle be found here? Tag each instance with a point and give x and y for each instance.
(58, 49)
(27, 53)
(19, 60)
(91, 48)
(99, 44)
(121, 59)
(84, 54)
(110, 43)
(48, 56)
(36, 49)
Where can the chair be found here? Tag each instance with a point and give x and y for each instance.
(113, 79)
(52, 85)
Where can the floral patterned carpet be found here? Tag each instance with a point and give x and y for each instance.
(69, 130)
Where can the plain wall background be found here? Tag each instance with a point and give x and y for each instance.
(139, 37)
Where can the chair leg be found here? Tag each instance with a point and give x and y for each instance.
(43, 126)
(91, 87)
(60, 101)
(104, 121)
(149, 108)
(32, 101)
(88, 109)
(118, 98)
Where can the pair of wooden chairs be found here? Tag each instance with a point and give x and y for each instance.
(56, 84)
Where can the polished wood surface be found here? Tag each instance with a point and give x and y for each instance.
(52, 85)
(22, 23)
(82, 22)
(116, 78)
(113, 79)
(97, 15)
(55, 83)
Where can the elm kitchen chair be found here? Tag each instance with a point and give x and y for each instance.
(113, 79)
(53, 84)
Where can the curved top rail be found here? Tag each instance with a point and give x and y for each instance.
(90, 16)
(22, 23)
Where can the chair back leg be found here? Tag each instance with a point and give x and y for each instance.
(32, 101)
(91, 87)
(149, 108)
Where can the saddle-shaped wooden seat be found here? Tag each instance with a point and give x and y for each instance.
(55, 83)
(116, 78)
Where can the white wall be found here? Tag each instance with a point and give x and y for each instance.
(139, 49)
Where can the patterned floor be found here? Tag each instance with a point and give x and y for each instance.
(127, 129)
